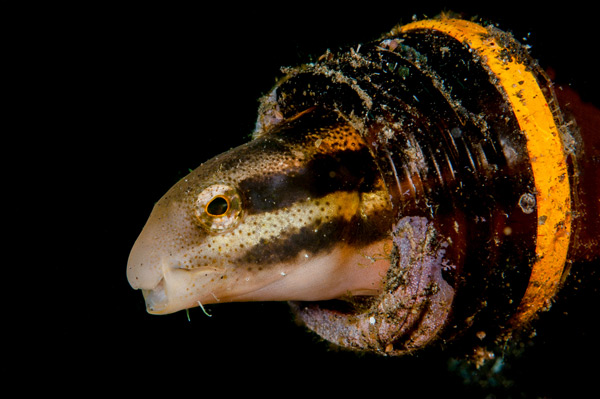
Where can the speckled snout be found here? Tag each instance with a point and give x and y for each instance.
(158, 263)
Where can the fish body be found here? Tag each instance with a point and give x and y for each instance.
(414, 189)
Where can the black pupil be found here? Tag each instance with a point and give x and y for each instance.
(217, 207)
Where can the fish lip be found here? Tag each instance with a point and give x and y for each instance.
(199, 268)
(202, 269)
(156, 298)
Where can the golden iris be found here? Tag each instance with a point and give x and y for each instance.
(218, 207)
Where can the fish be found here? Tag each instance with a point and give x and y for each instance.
(421, 188)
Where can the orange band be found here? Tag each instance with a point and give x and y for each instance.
(546, 154)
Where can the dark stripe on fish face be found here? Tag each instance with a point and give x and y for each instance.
(317, 238)
(322, 175)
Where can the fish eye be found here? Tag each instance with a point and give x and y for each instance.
(218, 207)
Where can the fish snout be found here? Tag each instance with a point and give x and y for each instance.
(144, 270)
(156, 266)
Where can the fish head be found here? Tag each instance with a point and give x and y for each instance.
(289, 215)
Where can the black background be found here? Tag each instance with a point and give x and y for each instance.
(139, 95)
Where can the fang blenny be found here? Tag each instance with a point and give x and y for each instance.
(416, 189)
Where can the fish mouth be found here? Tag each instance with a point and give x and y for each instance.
(164, 297)
(156, 298)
